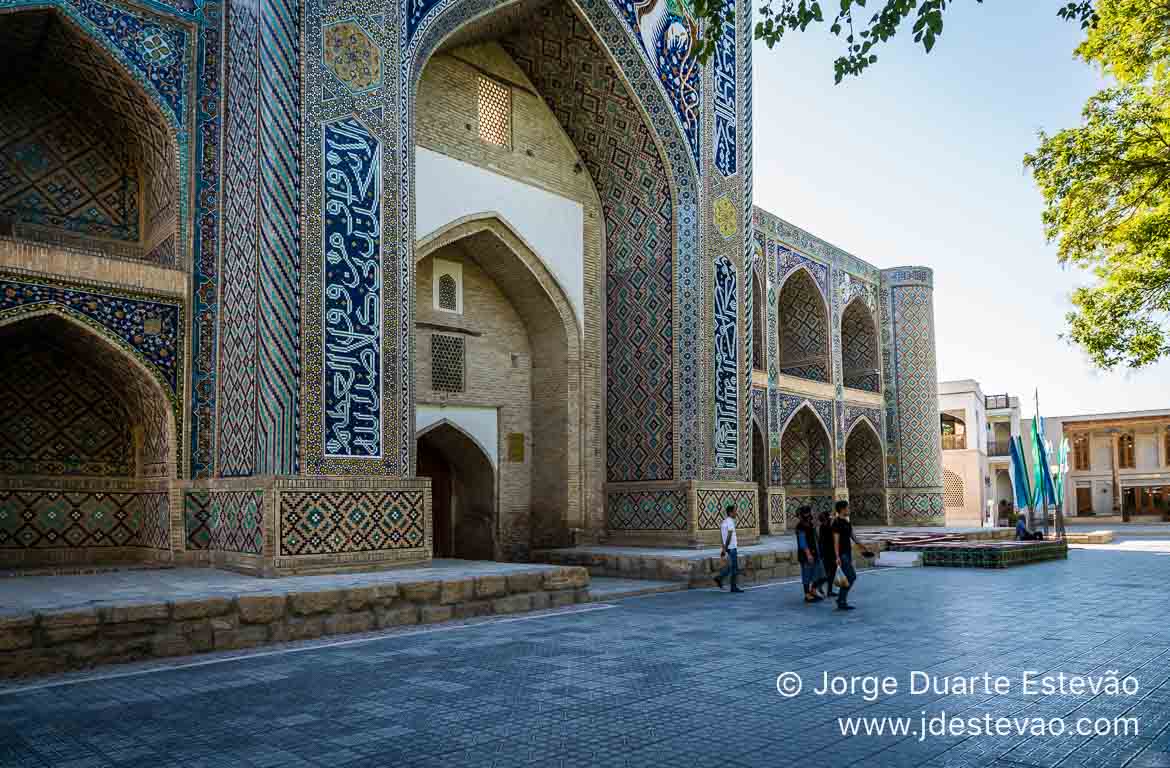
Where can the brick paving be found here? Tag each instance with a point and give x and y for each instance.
(674, 679)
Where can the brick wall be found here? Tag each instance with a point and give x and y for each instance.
(559, 485)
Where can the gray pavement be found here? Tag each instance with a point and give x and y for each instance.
(681, 679)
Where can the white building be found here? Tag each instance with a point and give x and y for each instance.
(976, 439)
(1119, 464)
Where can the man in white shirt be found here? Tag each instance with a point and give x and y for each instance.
(728, 549)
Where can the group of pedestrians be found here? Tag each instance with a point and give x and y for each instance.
(825, 552)
(823, 549)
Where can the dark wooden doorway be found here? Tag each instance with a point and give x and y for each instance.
(1084, 501)
(432, 464)
(760, 476)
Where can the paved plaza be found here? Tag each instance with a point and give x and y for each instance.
(673, 679)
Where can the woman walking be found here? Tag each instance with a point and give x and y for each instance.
(807, 553)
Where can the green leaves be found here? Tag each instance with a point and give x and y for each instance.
(1106, 187)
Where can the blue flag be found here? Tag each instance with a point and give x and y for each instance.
(1020, 472)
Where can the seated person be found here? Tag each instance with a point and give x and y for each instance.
(1022, 533)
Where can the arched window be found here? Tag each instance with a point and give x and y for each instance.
(759, 323)
(448, 293)
(954, 432)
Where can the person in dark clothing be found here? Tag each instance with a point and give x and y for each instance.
(827, 553)
(806, 553)
(843, 538)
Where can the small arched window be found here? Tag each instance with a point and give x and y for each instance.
(448, 293)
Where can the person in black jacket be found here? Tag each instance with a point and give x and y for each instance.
(828, 555)
(806, 553)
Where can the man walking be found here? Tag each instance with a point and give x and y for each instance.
(728, 550)
(843, 539)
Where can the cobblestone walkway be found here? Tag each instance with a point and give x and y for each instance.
(682, 679)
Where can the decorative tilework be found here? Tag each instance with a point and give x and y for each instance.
(601, 118)
(919, 442)
(121, 314)
(280, 239)
(54, 423)
(803, 328)
(851, 414)
(205, 243)
(776, 513)
(806, 453)
(726, 366)
(237, 398)
(859, 347)
(712, 503)
(352, 56)
(237, 521)
(62, 172)
(864, 477)
(760, 407)
(667, 32)
(917, 509)
(822, 502)
(646, 511)
(342, 522)
(52, 519)
(724, 72)
(353, 284)
(197, 519)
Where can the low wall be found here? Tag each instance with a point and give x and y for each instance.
(754, 567)
(43, 643)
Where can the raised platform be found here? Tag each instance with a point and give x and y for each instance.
(55, 623)
(772, 557)
(987, 554)
(1089, 537)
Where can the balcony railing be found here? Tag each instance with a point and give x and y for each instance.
(999, 448)
(954, 442)
(992, 402)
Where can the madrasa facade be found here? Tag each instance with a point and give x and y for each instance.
(298, 286)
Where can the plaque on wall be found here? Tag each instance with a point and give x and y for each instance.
(516, 447)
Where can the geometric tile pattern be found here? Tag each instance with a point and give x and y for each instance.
(713, 502)
(205, 241)
(123, 316)
(806, 452)
(57, 424)
(236, 522)
(864, 477)
(571, 72)
(44, 519)
(352, 56)
(913, 324)
(237, 400)
(953, 493)
(786, 405)
(822, 502)
(316, 523)
(60, 171)
(917, 509)
(804, 328)
(197, 519)
(859, 347)
(74, 178)
(278, 380)
(647, 511)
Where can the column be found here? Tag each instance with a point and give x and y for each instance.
(1116, 439)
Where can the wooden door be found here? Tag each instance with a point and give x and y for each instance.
(1084, 501)
(432, 464)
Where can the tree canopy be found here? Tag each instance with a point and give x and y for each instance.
(1106, 187)
(862, 37)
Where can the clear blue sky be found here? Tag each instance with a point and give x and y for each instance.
(919, 161)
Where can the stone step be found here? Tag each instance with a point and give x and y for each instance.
(899, 560)
(603, 588)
